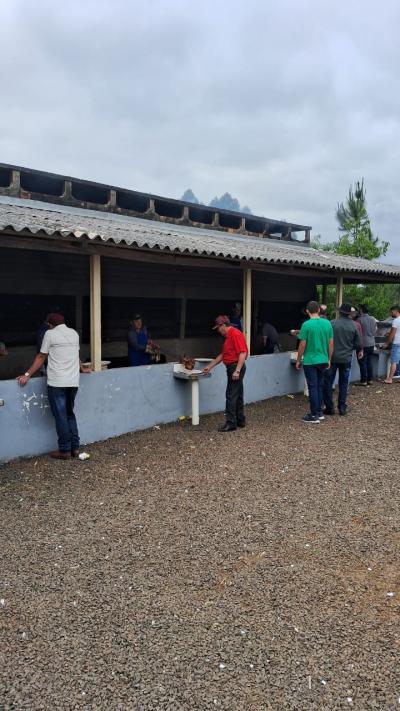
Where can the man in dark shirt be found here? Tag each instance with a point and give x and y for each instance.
(270, 338)
(138, 341)
(368, 324)
(233, 355)
(346, 339)
(236, 318)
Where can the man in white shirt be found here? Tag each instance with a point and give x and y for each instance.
(60, 346)
(393, 341)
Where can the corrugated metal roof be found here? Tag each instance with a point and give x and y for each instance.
(19, 215)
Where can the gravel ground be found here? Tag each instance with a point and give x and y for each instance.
(182, 569)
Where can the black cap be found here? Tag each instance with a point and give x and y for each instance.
(136, 317)
(345, 309)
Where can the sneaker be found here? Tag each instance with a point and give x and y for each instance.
(370, 382)
(361, 383)
(321, 416)
(310, 418)
(329, 412)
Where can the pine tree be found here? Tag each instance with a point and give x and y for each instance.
(356, 237)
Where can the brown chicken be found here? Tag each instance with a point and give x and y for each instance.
(187, 362)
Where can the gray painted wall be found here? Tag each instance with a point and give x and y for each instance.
(122, 400)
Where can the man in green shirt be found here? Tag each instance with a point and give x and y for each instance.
(316, 345)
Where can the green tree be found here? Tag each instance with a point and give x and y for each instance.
(357, 240)
(356, 237)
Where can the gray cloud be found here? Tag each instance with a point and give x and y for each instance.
(283, 106)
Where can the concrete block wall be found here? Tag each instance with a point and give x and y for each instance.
(114, 402)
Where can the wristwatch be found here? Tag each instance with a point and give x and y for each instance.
(27, 375)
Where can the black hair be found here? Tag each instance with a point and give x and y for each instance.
(363, 308)
(313, 307)
(396, 307)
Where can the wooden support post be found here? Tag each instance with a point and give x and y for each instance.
(247, 305)
(182, 323)
(112, 198)
(324, 293)
(95, 312)
(339, 292)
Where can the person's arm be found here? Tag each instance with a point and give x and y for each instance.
(357, 345)
(36, 365)
(300, 353)
(390, 337)
(214, 362)
(83, 368)
(241, 360)
(330, 351)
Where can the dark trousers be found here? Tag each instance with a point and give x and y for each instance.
(329, 378)
(365, 364)
(234, 408)
(315, 378)
(61, 402)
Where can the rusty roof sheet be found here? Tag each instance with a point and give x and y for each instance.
(19, 215)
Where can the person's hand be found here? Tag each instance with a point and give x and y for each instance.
(236, 375)
(85, 368)
(22, 380)
(206, 369)
(385, 346)
(294, 332)
(297, 365)
(329, 364)
(360, 355)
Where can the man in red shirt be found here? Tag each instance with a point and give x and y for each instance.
(233, 355)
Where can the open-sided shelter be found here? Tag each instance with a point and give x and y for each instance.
(100, 253)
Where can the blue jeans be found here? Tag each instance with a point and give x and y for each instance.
(315, 377)
(61, 402)
(365, 364)
(329, 378)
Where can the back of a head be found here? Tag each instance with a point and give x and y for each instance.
(363, 308)
(55, 319)
(312, 307)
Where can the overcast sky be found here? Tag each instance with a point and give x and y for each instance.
(284, 104)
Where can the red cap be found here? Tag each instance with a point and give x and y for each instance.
(221, 321)
(55, 319)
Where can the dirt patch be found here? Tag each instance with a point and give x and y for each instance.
(183, 569)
